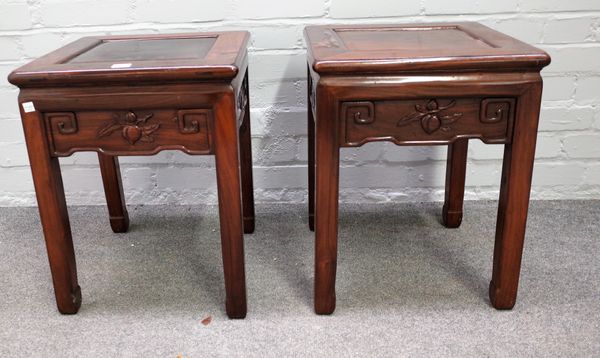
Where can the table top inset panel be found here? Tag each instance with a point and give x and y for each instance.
(417, 47)
(409, 38)
(147, 50)
(135, 59)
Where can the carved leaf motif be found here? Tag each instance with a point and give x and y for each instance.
(108, 129)
(451, 118)
(147, 139)
(151, 128)
(409, 118)
(145, 119)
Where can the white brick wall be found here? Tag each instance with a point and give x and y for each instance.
(568, 153)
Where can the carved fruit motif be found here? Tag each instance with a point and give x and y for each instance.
(430, 116)
(132, 133)
(133, 129)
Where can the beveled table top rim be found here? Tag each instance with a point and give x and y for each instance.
(328, 55)
(224, 60)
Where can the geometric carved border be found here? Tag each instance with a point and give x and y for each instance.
(494, 110)
(64, 122)
(361, 112)
(193, 120)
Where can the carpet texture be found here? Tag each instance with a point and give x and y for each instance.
(406, 285)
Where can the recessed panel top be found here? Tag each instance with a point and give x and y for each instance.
(409, 38)
(417, 47)
(139, 58)
(147, 50)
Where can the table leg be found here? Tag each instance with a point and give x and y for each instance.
(326, 199)
(311, 164)
(50, 194)
(515, 188)
(456, 168)
(246, 164)
(230, 205)
(113, 190)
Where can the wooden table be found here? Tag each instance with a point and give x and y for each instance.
(139, 95)
(423, 84)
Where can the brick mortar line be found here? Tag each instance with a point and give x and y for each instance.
(344, 164)
(546, 18)
(294, 21)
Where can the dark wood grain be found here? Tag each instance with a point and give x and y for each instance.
(422, 84)
(49, 190)
(182, 92)
(246, 162)
(113, 190)
(456, 168)
(417, 48)
(311, 156)
(515, 187)
(223, 61)
(406, 121)
(114, 131)
(327, 157)
(230, 205)
(151, 49)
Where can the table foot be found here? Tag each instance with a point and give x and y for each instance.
(72, 306)
(451, 219)
(248, 225)
(113, 190)
(456, 168)
(235, 310)
(501, 300)
(325, 306)
(119, 224)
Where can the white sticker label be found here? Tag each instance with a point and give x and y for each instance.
(28, 107)
(120, 65)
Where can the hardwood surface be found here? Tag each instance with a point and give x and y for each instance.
(186, 92)
(422, 84)
(49, 191)
(410, 48)
(95, 60)
(246, 162)
(440, 120)
(115, 50)
(113, 190)
(311, 154)
(456, 168)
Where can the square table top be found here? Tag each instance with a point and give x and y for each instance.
(138, 58)
(363, 49)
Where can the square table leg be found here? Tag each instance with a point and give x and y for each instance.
(515, 188)
(246, 165)
(311, 163)
(113, 190)
(50, 194)
(230, 205)
(327, 160)
(456, 168)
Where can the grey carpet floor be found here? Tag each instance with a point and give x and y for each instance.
(406, 285)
